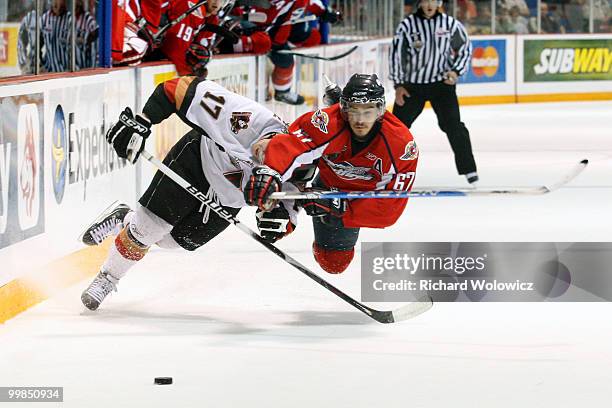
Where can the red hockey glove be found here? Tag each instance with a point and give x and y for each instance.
(258, 42)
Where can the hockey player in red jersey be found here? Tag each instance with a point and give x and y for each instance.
(359, 147)
(185, 44)
(134, 23)
(286, 31)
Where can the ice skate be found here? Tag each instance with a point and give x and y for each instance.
(103, 284)
(108, 223)
(291, 98)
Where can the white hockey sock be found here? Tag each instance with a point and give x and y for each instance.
(116, 264)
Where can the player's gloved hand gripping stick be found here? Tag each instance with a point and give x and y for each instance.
(128, 135)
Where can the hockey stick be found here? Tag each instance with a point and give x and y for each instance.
(220, 30)
(313, 195)
(177, 20)
(317, 57)
(403, 313)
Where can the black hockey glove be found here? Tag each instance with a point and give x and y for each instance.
(263, 182)
(323, 207)
(198, 56)
(274, 225)
(331, 16)
(128, 135)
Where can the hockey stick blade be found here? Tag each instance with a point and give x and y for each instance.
(314, 195)
(403, 313)
(579, 168)
(317, 57)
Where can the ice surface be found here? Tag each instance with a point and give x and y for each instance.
(235, 326)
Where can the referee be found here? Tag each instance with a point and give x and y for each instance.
(430, 51)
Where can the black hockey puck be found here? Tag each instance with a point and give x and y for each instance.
(163, 380)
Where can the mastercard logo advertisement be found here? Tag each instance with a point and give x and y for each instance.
(485, 61)
(488, 62)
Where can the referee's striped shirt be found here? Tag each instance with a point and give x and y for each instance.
(86, 41)
(55, 30)
(26, 44)
(425, 49)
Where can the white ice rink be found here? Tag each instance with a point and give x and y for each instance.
(236, 327)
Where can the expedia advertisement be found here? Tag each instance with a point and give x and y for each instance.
(488, 62)
(567, 60)
(79, 152)
(22, 199)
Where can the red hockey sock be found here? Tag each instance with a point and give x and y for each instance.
(333, 260)
(281, 78)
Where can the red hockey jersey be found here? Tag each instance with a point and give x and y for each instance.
(389, 162)
(178, 39)
(282, 12)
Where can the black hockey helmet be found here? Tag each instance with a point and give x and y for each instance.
(362, 89)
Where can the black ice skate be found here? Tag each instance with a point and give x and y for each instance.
(108, 223)
(290, 98)
(102, 285)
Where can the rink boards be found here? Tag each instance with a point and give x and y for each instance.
(57, 172)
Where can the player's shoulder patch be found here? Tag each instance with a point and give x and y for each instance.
(240, 121)
(411, 151)
(320, 119)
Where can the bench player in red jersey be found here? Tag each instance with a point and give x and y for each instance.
(134, 24)
(359, 147)
(185, 44)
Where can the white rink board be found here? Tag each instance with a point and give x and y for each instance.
(89, 105)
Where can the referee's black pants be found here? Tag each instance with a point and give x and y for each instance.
(443, 99)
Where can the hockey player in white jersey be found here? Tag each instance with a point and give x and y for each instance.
(215, 157)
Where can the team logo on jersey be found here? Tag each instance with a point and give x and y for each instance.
(320, 120)
(371, 156)
(240, 121)
(412, 151)
(348, 171)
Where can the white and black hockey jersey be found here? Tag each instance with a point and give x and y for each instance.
(231, 124)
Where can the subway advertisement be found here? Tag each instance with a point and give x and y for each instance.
(488, 62)
(567, 60)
